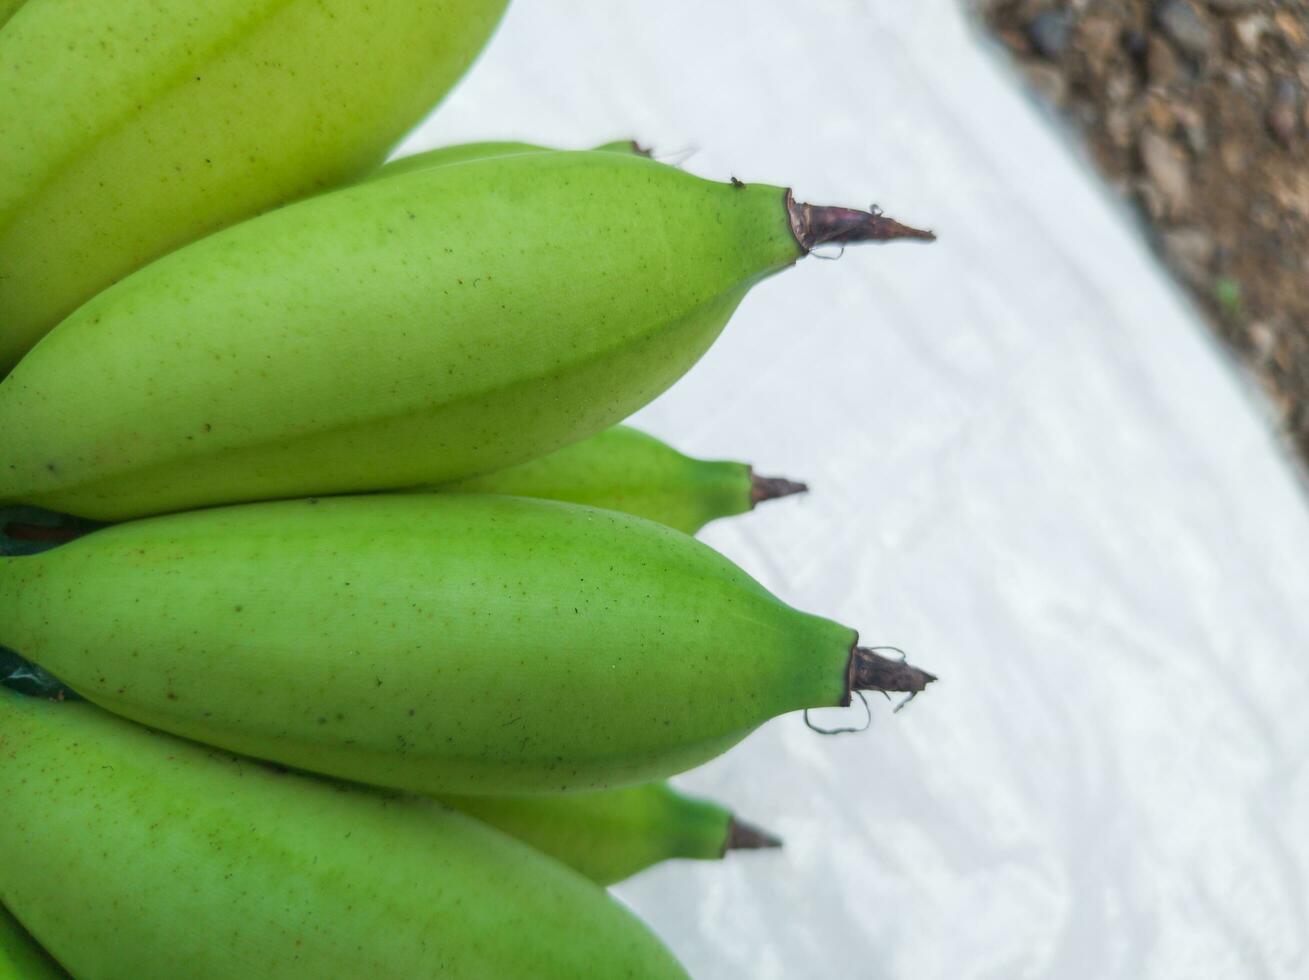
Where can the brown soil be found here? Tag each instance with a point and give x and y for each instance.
(1197, 111)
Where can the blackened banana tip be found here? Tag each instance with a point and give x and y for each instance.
(772, 487)
(742, 836)
(815, 225)
(870, 671)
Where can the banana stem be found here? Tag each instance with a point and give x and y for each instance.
(742, 836)
(815, 225)
(870, 671)
(771, 487)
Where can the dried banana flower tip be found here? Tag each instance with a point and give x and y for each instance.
(815, 225)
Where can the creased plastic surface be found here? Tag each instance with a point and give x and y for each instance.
(1029, 466)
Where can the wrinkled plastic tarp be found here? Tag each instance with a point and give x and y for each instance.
(1031, 468)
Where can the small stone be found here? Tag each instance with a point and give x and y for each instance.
(1048, 82)
(1291, 191)
(1161, 61)
(1283, 115)
(1249, 31)
(1097, 39)
(1262, 339)
(1263, 213)
(1160, 113)
(1290, 27)
(1167, 168)
(1135, 42)
(1120, 87)
(1193, 128)
(1254, 79)
(1151, 200)
(1191, 252)
(1015, 40)
(1050, 32)
(1234, 157)
(1188, 27)
(1118, 126)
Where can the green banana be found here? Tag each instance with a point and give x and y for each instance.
(613, 834)
(131, 854)
(627, 470)
(8, 8)
(21, 957)
(618, 469)
(444, 156)
(131, 127)
(438, 643)
(427, 327)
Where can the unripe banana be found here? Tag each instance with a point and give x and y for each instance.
(131, 127)
(8, 8)
(620, 468)
(134, 855)
(439, 643)
(427, 327)
(613, 834)
(627, 470)
(21, 957)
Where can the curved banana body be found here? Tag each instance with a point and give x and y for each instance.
(131, 127)
(427, 327)
(131, 854)
(21, 957)
(439, 643)
(620, 469)
(626, 470)
(8, 8)
(613, 834)
(444, 156)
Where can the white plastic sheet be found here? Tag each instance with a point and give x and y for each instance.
(1031, 468)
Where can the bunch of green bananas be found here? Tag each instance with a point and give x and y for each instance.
(334, 486)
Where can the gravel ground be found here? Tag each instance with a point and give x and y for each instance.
(1197, 113)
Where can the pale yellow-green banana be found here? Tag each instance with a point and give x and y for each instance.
(440, 643)
(133, 855)
(613, 834)
(131, 127)
(427, 327)
(21, 957)
(627, 470)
